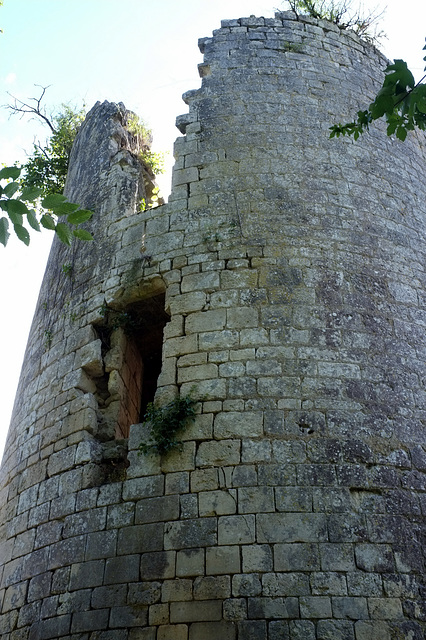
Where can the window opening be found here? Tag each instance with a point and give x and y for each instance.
(132, 342)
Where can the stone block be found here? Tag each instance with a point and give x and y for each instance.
(350, 607)
(242, 317)
(212, 503)
(158, 565)
(147, 487)
(172, 632)
(213, 320)
(377, 558)
(296, 557)
(332, 629)
(87, 574)
(140, 539)
(236, 529)
(364, 584)
(200, 372)
(101, 544)
(50, 628)
(266, 608)
(212, 587)
(160, 509)
(328, 583)
(257, 558)
(109, 596)
(120, 515)
(90, 621)
(190, 562)
(385, 608)
(186, 534)
(255, 630)
(197, 610)
(285, 584)
(206, 281)
(234, 424)
(212, 631)
(315, 607)
(204, 480)
(293, 498)
(294, 527)
(256, 499)
(122, 569)
(218, 454)
(177, 482)
(365, 630)
(128, 617)
(188, 302)
(223, 560)
(235, 609)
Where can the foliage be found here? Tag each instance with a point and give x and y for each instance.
(20, 204)
(340, 13)
(152, 159)
(47, 166)
(400, 101)
(166, 422)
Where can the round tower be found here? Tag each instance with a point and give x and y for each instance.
(282, 287)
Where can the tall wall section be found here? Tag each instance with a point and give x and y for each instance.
(283, 285)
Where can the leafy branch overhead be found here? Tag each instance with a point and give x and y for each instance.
(31, 195)
(22, 210)
(47, 165)
(400, 101)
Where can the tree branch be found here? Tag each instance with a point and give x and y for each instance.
(38, 111)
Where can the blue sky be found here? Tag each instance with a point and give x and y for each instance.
(139, 52)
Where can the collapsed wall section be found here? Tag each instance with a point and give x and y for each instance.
(293, 278)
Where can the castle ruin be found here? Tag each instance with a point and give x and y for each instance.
(282, 287)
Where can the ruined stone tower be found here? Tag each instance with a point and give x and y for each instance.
(284, 284)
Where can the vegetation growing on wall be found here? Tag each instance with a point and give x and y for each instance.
(152, 159)
(342, 14)
(166, 423)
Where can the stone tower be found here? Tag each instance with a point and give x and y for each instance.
(284, 284)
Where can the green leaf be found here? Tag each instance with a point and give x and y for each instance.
(53, 201)
(78, 217)
(48, 222)
(65, 208)
(401, 133)
(64, 233)
(22, 233)
(16, 218)
(381, 105)
(10, 189)
(29, 194)
(9, 172)
(4, 234)
(15, 207)
(82, 234)
(32, 220)
(401, 74)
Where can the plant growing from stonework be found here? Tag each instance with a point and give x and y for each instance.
(154, 160)
(342, 14)
(166, 422)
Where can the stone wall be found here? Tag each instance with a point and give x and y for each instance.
(285, 281)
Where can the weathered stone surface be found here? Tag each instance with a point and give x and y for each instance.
(283, 287)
